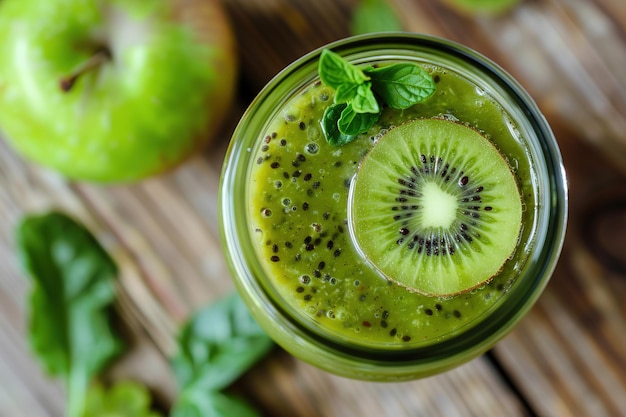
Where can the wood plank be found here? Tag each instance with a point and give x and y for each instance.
(273, 33)
(299, 390)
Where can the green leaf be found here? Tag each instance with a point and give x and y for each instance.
(345, 93)
(217, 346)
(352, 123)
(401, 85)
(335, 71)
(374, 16)
(70, 325)
(213, 404)
(124, 399)
(330, 127)
(360, 96)
(365, 101)
(356, 106)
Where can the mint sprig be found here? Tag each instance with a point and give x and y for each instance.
(360, 94)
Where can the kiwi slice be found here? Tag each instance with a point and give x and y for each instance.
(435, 207)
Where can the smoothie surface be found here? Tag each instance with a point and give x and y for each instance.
(298, 210)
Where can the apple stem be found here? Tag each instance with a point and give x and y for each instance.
(94, 61)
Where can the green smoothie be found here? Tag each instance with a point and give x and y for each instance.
(297, 202)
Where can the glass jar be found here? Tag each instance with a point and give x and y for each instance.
(429, 334)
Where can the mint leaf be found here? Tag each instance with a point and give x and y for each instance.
(70, 323)
(330, 121)
(213, 404)
(360, 95)
(347, 92)
(217, 346)
(374, 16)
(335, 71)
(351, 123)
(365, 101)
(401, 85)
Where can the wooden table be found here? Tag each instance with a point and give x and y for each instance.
(567, 358)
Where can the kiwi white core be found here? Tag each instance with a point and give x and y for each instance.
(439, 207)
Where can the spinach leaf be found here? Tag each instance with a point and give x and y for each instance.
(401, 85)
(212, 404)
(374, 16)
(216, 347)
(71, 329)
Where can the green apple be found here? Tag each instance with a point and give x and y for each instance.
(113, 90)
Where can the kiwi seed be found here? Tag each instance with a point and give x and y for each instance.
(435, 207)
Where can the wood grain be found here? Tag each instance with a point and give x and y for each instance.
(300, 390)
